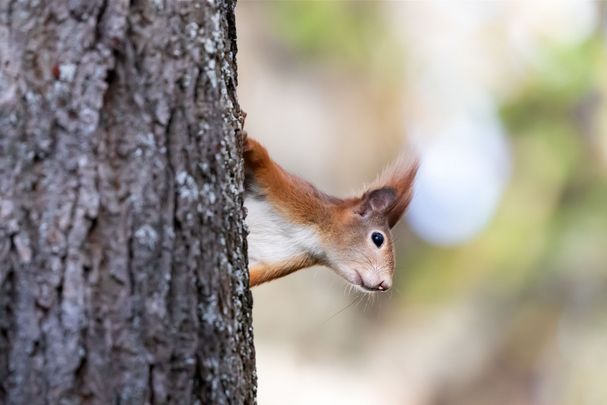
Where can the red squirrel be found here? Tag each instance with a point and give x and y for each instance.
(292, 225)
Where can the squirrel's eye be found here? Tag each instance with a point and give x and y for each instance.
(377, 238)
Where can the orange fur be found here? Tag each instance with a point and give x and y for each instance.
(293, 196)
(261, 273)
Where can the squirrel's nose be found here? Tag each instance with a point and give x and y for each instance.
(384, 285)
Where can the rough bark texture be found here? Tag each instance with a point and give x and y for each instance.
(122, 247)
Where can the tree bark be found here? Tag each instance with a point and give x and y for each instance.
(123, 275)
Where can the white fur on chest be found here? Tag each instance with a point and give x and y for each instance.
(272, 239)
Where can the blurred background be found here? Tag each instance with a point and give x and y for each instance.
(500, 292)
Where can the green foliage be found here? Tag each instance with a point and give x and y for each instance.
(554, 86)
(351, 33)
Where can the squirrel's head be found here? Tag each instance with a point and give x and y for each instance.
(360, 247)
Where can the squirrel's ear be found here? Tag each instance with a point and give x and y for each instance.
(379, 201)
(404, 191)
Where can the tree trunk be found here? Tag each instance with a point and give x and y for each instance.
(123, 274)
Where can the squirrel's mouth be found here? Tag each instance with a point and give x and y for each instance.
(364, 287)
(353, 277)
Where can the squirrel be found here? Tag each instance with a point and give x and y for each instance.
(292, 225)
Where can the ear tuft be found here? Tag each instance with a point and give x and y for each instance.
(379, 201)
(404, 187)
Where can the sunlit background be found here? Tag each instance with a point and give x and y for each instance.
(500, 294)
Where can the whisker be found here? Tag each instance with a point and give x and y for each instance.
(348, 289)
(340, 311)
(366, 302)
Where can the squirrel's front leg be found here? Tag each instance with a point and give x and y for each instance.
(261, 272)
